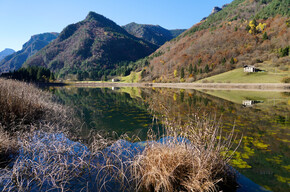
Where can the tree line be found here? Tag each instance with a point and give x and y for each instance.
(31, 74)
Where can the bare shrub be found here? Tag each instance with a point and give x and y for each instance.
(286, 80)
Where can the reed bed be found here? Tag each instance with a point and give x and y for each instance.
(24, 108)
(24, 104)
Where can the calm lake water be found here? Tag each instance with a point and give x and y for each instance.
(261, 118)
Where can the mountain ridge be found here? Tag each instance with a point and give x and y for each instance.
(32, 46)
(152, 33)
(94, 47)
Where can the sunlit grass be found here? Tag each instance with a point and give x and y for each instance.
(239, 76)
(134, 77)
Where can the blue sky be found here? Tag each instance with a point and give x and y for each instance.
(20, 19)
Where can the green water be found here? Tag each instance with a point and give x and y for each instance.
(262, 119)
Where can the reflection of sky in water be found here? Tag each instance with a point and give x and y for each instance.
(263, 155)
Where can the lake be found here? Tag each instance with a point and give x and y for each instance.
(261, 118)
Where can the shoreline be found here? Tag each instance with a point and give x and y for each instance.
(216, 86)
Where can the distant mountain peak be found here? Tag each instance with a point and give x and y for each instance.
(152, 33)
(215, 10)
(92, 16)
(15, 60)
(6, 52)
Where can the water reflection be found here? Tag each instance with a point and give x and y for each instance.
(263, 155)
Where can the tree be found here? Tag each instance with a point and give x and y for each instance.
(232, 61)
(79, 76)
(195, 69)
(224, 61)
(190, 69)
(265, 36)
(175, 73)
(252, 26)
(199, 61)
(51, 78)
(182, 72)
(85, 75)
(93, 75)
(260, 28)
(104, 78)
(143, 73)
(206, 68)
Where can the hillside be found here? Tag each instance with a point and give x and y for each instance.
(91, 49)
(226, 41)
(5, 53)
(16, 60)
(238, 76)
(152, 33)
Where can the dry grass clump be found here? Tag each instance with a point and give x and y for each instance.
(193, 158)
(46, 162)
(23, 109)
(23, 104)
(8, 146)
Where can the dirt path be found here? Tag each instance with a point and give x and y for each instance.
(222, 86)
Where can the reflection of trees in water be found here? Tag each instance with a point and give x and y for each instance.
(264, 130)
(107, 110)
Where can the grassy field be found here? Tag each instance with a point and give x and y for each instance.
(134, 77)
(239, 76)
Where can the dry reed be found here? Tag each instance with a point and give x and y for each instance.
(23, 104)
(192, 157)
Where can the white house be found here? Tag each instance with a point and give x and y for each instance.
(115, 80)
(250, 69)
(248, 103)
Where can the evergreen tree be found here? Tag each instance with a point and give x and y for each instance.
(190, 69)
(206, 68)
(182, 72)
(195, 69)
(265, 36)
(224, 61)
(232, 61)
(79, 76)
(199, 61)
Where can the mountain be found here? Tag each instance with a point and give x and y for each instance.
(36, 42)
(215, 10)
(92, 48)
(6, 52)
(228, 39)
(152, 33)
